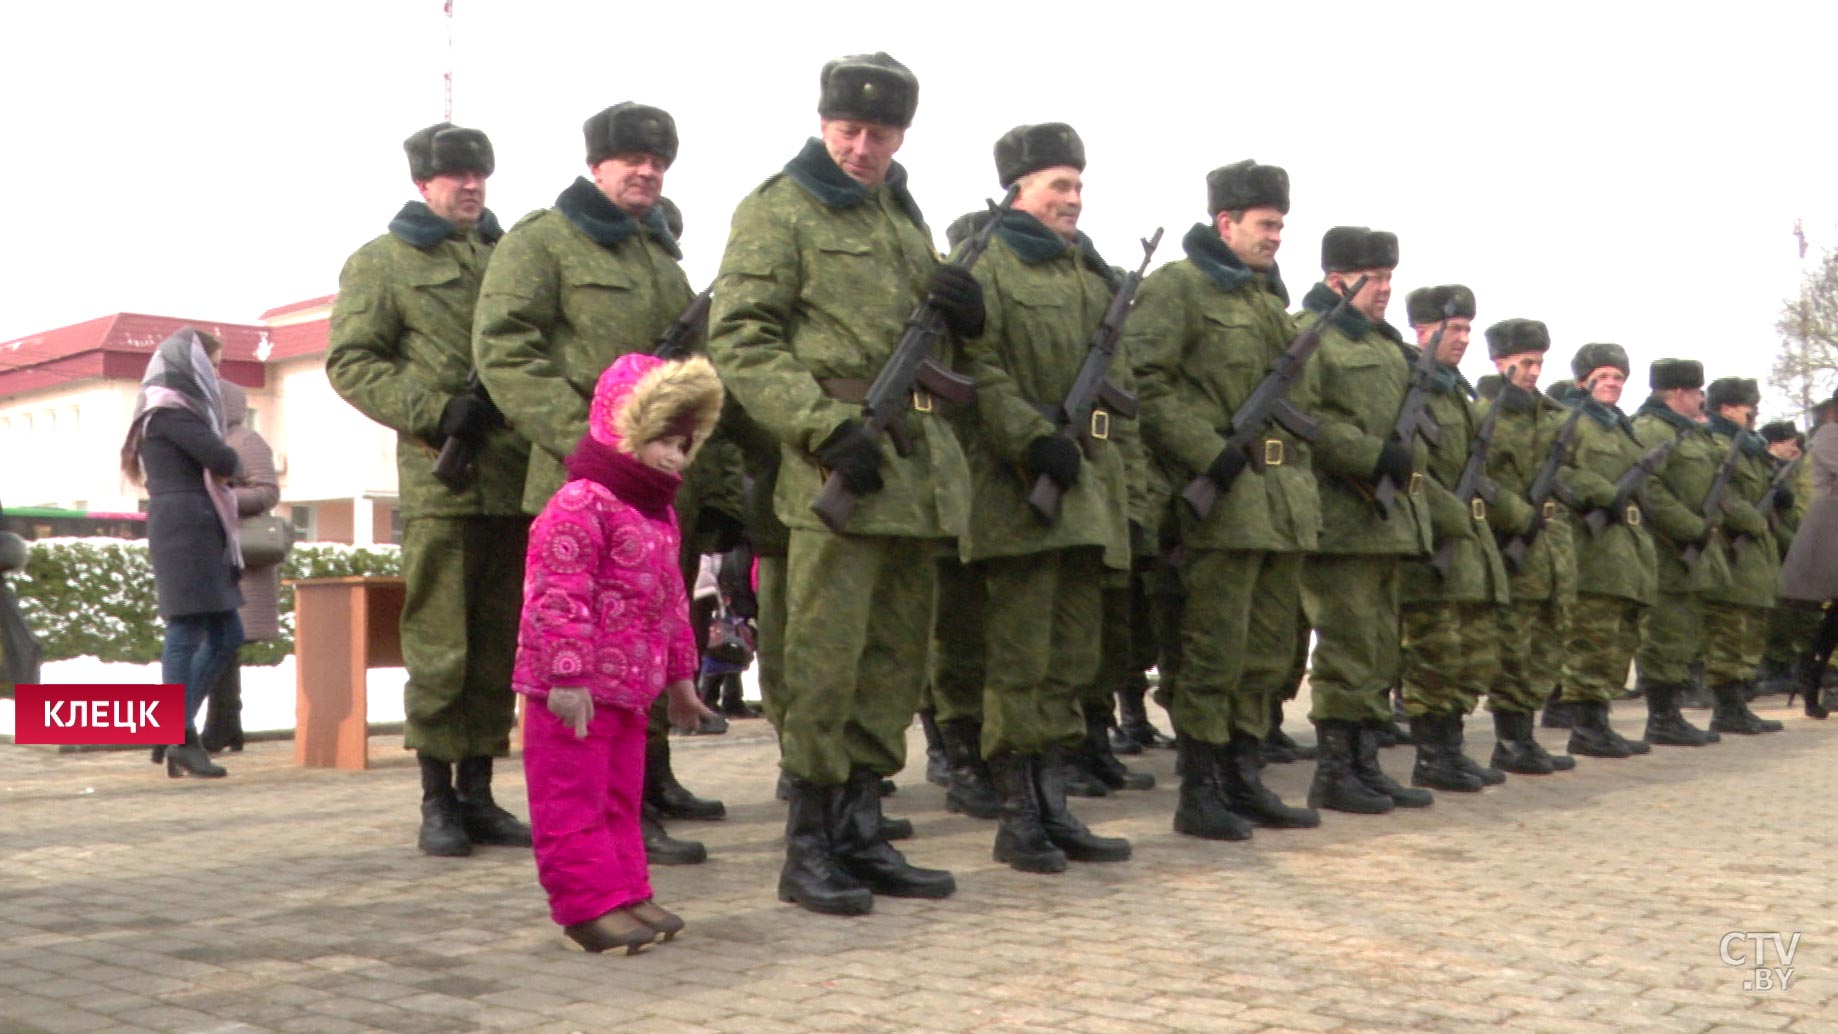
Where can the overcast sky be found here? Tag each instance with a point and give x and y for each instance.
(1625, 172)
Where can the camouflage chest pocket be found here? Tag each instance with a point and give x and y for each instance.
(846, 271)
(597, 299)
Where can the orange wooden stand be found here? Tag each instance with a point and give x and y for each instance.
(342, 628)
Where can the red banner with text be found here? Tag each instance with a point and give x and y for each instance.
(99, 714)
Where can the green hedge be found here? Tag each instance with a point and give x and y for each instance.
(92, 597)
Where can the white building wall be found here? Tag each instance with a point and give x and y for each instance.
(62, 447)
(328, 449)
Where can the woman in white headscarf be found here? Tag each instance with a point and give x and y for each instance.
(176, 443)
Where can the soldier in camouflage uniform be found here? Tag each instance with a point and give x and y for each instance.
(1449, 615)
(1736, 616)
(1616, 573)
(401, 353)
(1790, 628)
(1350, 586)
(826, 261)
(1204, 332)
(570, 289)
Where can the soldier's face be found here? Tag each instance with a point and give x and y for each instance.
(1742, 416)
(1605, 384)
(862, 150)
(669, 454)
(1053, 196)
(1455, 338)
(457, 197)
(1372, 299)
(632, 182)
(1522, 370)
(1255, 238)
(1786, 449)
(1686, 402)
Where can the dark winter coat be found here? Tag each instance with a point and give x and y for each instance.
(1810, 571)
(257, 490)
(184, 535)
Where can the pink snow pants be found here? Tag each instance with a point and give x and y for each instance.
(584, 801)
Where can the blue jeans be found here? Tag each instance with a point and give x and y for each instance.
(198, 646)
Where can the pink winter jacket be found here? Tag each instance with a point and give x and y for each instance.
(603, 602)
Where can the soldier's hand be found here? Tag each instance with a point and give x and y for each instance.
(574, 706)
(1225, 467)
(1056, 457)
(1394, 462)
(686, 710)
(466, 416)
(960, 299)
(1783, 498)
(855, 454)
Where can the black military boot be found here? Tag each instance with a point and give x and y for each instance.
(1695, 695)
(1558, 712)
(1367, 770)
(1120, 742)
(1732, 713)
(483, 820)
(1278, 748)
(1436, 766)
(1133, 718)
(1514, 748)
(1458, 732)
(1806, 682)
(1021, 841)
(1098, 758)
(810, 876)
(1244, 790)
(662, 791)
(663, 849)
(1592, 737)
(1634, 746)
(1062, 827)
(1771, 677)
(863, 853)
(1666, 725)
(1336, 786)
(937, 759)
(1201, 809)
(1081, 781)
(969, 790)
(443, 832)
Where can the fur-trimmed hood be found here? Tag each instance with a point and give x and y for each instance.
(641, 398)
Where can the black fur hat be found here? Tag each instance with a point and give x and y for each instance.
(1666, 374)
(1246, 184)
(1780, 431)
(630, 128)
(1346, 248)
(1732, 391)
(868, 88)
(1594, 356)
(445, 147)
(1026, 149)
(673, 217)
(966, 225)
(1516, 337)
(1431, 304)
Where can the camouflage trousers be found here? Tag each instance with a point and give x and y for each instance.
(1531, 655)
(1042, 622)
(857, 611)
(1451, 655)
(1603, 633)
(769, 652)
(1790, 632)
(1126, 646)
(1162, 584)
(1237, 640)
(1733, 639)
(959, 650)
(1671, 637)
(459, 633)
(1352, 604)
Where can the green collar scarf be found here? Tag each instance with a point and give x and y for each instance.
(1321, 300)
(419, 227)
(606, 223)
(1752, 443)
(1033, 243)
(824, 180)
(1656, 406)
(1222, 266)
(1447, 380)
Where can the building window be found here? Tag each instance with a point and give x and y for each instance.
(306, 527)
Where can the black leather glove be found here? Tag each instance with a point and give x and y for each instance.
(855, 454)
(960, 299)
(467, 416)
(1783, 499)
(1225, 467)
(726, 529)
(1056, 457)
(1394, 462)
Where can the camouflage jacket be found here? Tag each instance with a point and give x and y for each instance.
(1675, 499)
(1523, 437)
(819, 277)
(1044, 298)
(1755, 569)
(1475, 574)
(570, 289)
(401, 348)
(1619, 560)
(1203, 334)
(1363, 372)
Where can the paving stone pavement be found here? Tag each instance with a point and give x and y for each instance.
(288, 900)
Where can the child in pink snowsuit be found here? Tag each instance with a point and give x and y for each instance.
(605, 629)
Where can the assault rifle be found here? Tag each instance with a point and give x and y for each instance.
(1269, 401)
(1544, 485)
(676, 340)
(1472, 489)
(1769, 502)
(1079, 417)
(909, 375)
(1413, 418)
(1713, 502)
(453, 467)
(1629, 488)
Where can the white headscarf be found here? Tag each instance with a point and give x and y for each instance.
(180, 376)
